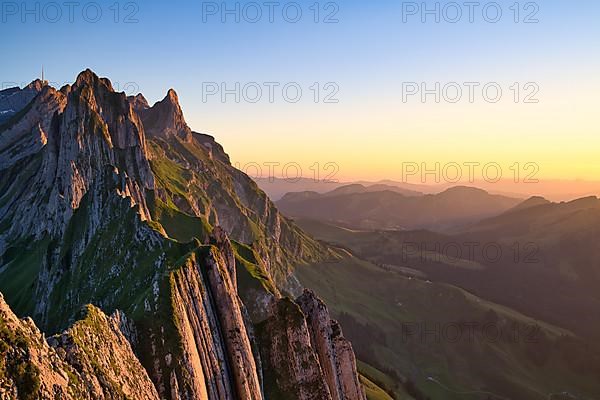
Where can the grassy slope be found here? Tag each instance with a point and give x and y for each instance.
(382, 301)
(386, 387)
(373, 391)
(552, 280)
(190, 181)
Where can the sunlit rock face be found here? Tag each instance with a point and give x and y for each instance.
(105, 200)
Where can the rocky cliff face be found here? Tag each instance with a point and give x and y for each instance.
(26, 134)
(306, 355)
(334, 351)
(105, 200)
(293, 370)
(212, 330)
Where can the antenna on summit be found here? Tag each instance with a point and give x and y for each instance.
(44, 83)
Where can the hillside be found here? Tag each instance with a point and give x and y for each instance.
(536, 260)
(443, 342)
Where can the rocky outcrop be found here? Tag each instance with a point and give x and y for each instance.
(307, 355)
(99, 351)
(220, 239)
(214, 149)
(165, 119)
(203, 353)
(212, 331)
(235, 335)
(138, 102)
(92, 360)
(334, 351)
(292, 368)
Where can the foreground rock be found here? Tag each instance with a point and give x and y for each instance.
(92, 360)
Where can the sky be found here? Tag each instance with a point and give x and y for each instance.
(361, 69)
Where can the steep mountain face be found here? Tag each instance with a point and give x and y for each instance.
(59, 151)
(334, 351)
(195, 178)
(107, 201)
(377, 207)
(27, 133)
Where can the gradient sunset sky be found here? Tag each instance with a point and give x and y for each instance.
(368, 54)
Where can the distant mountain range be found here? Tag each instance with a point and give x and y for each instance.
(554, 190)
(389, 207)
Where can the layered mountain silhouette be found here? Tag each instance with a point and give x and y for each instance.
(556, 277)
(109, 206)
(388, 207)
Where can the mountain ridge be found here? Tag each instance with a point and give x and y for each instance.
(124, 207)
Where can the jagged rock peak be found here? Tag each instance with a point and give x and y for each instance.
(36, 85)
(165, 119)
(138, 102)
(15, 99)
(88, 77)
(172, 96)
(66, 89)
(123, 124)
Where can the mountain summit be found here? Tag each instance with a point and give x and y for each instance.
(107, 201)
(165, 119)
